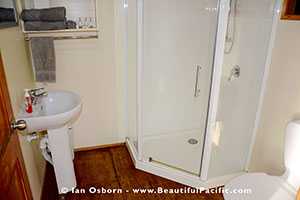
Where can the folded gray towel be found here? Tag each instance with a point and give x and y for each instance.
(43, 59)
(44, 26)
(46, 14)
(7, 15)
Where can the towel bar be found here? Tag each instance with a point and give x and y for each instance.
(68, 37)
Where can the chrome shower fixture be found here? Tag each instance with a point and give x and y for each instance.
(231, 27)
(234, 73)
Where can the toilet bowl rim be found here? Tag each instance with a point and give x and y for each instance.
(282, 180)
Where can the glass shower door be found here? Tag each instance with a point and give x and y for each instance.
(178, 50)
(247, 43)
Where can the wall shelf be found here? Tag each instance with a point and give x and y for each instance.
(64, 34)
(75, 9)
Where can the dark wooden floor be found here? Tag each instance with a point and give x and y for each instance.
(113, 168)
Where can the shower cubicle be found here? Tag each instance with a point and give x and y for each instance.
(196, 71)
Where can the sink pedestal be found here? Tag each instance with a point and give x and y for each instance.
(62, 157)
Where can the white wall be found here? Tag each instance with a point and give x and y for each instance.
(7, 4)
(19, 76)
(41, 3)
(132, 69)
(282, 100)
(27, 4)
(121, 68)
(89, 67)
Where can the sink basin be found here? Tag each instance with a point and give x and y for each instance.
(56, 110)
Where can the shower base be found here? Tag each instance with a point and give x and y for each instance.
(176, 174)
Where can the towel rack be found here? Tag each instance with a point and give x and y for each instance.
(63, 34)
(67, 37)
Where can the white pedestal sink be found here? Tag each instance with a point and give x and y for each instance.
(55, 113)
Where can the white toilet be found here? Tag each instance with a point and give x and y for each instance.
(265, 187)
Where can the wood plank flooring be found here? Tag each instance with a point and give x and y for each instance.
(112, 168)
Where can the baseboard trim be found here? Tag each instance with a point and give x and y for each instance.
(104, 146)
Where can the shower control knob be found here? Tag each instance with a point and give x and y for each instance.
(234, 73)
(193, 141)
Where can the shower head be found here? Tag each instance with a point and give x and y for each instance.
(231, 26)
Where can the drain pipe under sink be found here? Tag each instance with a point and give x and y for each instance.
(45, 150)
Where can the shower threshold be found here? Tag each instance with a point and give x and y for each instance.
(171, 166)
(175, 174)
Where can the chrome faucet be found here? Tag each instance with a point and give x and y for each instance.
(36, 94)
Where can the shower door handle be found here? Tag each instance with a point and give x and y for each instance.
(197, 87)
